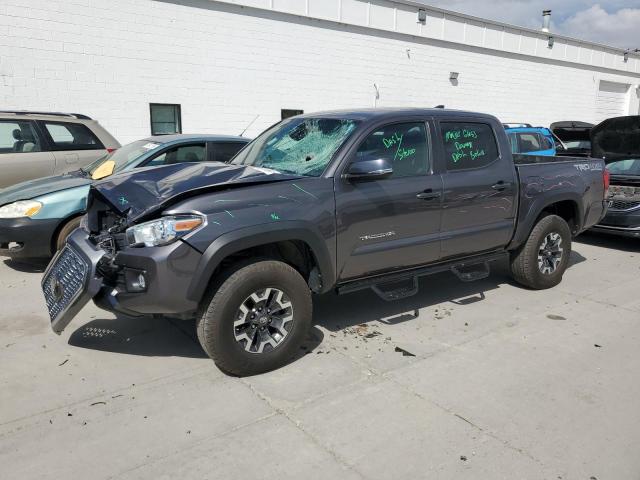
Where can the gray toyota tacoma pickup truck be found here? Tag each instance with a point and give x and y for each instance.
(338, 201)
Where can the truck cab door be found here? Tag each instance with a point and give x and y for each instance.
(389, 223)
(480, 187)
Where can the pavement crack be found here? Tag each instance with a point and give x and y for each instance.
(299, 425)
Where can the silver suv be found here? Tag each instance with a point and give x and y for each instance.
(40, 144)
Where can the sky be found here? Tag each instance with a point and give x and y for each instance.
(612, 22)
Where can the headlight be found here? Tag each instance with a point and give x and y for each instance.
(164, 230)
(23, 208)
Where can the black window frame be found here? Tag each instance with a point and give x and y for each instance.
(178, 113)
(53, 147)
(467, 122)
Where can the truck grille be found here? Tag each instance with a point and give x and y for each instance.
(624, 204)
(64, 281)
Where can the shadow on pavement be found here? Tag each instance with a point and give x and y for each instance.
(605, 240)
(147, 336)
(155, 337)
(335, 312)
(26, 266)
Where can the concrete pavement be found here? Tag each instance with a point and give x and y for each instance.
(463, 381)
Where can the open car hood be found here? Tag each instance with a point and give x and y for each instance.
(616, 139)
(144, 191)
(571, 131)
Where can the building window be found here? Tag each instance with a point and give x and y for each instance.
(165, 118)
(287, 113)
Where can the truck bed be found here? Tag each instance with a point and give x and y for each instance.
(573, 183)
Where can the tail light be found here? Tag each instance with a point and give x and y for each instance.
(111, 150)
(606, 179)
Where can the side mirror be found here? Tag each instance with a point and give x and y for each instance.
(369, 170)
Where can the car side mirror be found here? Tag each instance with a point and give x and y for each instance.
(376, 169)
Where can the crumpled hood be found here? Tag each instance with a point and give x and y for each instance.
(144, 191)
(42, 186)
(616, 139)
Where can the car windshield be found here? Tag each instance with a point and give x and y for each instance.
(625, 167)
(124, 156)
(301, 146)
(580, 144)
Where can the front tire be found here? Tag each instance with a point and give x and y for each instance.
(257, 318)
(66, 230)
(541, 262)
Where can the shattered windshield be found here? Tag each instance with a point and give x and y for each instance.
(301, 146)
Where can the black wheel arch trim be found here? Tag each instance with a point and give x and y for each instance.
(536, 207)
(255, 236)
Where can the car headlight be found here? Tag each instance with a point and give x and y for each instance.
(22, 208)
(164, 230)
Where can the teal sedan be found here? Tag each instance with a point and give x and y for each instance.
(37, 216)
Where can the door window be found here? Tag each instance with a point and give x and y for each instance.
(404, 145)
(468, 145)
(72, 136)
(530, 142)
(181, 154)
(165, 118)
(225, 151)
(18, 137)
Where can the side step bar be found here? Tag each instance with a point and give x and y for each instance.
(399, 285)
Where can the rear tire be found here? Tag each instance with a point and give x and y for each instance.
(256, 319)
(65, 231)
(541, 262)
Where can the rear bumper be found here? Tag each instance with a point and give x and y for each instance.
(27, 237)
(625, 223)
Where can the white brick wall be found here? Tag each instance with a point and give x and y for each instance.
(225, 64)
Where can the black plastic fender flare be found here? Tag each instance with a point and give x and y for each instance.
(254, 236)
(537, 207)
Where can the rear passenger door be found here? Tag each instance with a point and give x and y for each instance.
(23, 154)
(479, 197)
(74, 145)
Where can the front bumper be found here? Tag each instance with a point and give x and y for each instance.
(167, 271)
(27, 237)
(621, 222)
(74, 277)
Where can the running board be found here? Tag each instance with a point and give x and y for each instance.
(472, 275)
(405, 284)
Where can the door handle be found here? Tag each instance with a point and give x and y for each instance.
(501, 185)
(428, 195)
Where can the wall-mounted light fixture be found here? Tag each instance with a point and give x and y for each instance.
(422, 15)
(453, 76)
(551, 41)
